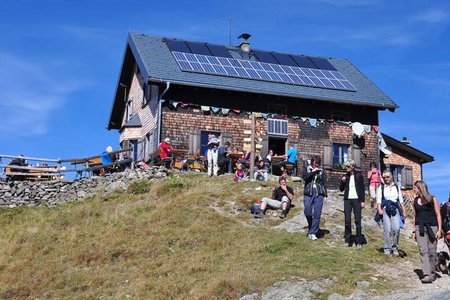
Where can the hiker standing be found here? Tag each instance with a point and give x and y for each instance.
(315, 193)
(390, 207)
(213, 145)
(374, 176)
(354, 195)
(428, 223)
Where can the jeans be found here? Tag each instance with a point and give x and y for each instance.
(313, 211)
(355, 205)
(391, 224)
(212, 162)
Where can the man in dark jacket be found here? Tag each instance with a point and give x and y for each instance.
(354, 195)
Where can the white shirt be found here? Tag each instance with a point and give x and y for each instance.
(352, 194)
(390, 193)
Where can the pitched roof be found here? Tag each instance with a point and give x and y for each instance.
(156, 63)
(155, 58)
(424, 157)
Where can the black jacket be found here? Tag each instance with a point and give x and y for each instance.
(319, 176)
(359, 184)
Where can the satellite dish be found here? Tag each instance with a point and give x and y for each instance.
(358, 129)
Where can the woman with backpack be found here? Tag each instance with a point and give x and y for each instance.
(390, 207)
(428, 228)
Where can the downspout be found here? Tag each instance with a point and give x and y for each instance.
(160, 111)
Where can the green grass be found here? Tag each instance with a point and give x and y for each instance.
(186, 237)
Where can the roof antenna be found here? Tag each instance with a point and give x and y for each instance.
(229, 34)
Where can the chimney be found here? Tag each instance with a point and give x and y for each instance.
(245, 45)
(405, 141)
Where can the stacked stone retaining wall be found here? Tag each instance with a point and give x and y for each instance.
(34, 193)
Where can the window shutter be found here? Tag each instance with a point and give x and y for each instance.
(328, 155)
(407, 177)
(265, 146)
(226, 137)
(194, 141)
(278, 127)
(356, 156)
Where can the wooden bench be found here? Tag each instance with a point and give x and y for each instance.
(32, 175)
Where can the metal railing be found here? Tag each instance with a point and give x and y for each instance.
(54, 169)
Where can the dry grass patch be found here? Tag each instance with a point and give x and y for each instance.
(167, 243)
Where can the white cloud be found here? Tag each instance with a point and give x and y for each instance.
(31, 93)
(432, 16)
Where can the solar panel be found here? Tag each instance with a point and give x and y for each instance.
(218, 50)
(262, 71)
(198, 48)
(265, 56)
(180, 46)
(303, 61)
(322, 63)
(284, 59)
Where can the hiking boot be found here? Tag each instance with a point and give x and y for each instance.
(282, 215)
(427, 279)
(395, 252)
(346, 245)
(387, 252)
(313, 237)
(259, 215)
(358, 246)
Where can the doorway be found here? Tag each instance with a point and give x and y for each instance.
(277, 145)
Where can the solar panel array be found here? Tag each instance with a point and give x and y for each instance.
(264, 65)
(227, 66)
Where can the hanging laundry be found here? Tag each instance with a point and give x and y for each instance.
(174, 103)
(295, 117)
(205, 108)
(215, 110)
(265, 116)
(238, 111)
(375, 128)
(312, 122)
(367, 128)
(322, 121)
(225, 111)
(183, 104)
(304, 119)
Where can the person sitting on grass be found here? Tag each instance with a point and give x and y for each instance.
(239, 174)
(260, 171)
(281, 198)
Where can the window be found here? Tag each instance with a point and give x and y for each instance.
(402, 175)
(340, 154)
(129, 109)
(278, 127)
(340, 115)
(278, 109)
(146, 94)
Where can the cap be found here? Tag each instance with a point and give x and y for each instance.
(167, 140)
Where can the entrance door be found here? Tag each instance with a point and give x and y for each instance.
(204, 140)
(277, 145)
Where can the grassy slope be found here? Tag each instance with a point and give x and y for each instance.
(180, 239)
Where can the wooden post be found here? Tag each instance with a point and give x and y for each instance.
(252, 153)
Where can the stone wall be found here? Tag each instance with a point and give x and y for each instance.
(18, 193)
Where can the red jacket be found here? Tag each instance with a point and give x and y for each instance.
(164, 150)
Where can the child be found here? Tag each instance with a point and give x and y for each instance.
(239, 174)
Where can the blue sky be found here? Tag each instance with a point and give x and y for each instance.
(60, 62)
